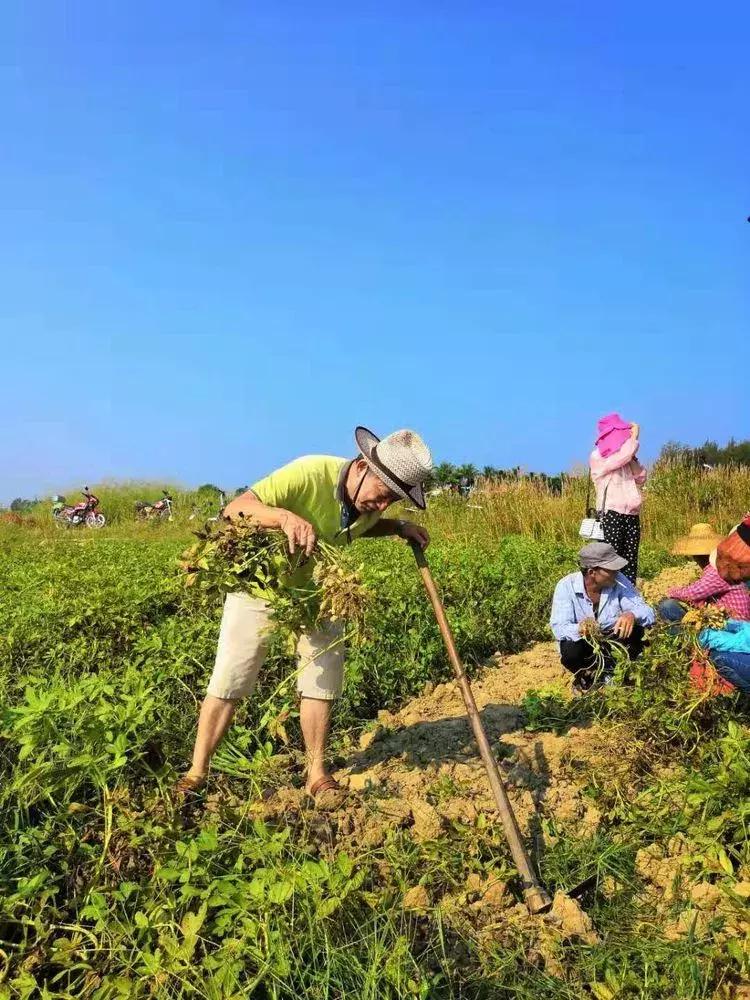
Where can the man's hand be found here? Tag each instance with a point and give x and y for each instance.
(300, 532)
(586, 626)
(623, 627)
(415, 533)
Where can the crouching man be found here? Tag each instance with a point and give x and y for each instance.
(315, 497)
(597, 600)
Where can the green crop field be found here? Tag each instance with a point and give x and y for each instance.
(111, 888)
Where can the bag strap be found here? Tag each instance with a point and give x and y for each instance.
(588, 497)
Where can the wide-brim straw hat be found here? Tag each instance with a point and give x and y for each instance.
(701, 540)
(401, 460)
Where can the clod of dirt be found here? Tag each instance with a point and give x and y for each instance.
(495, 893)
(369, 737)
(567, 914)
(416, 899)
(458, 811)
(359, 782)
(691, 922)
(398, 811)
(375, 833)
(427, 823)
(490, 891)
(706, 896)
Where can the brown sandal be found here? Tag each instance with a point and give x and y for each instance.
(325, 784)
(190, 784)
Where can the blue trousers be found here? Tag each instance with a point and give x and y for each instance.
(733, 667)
(670, 610)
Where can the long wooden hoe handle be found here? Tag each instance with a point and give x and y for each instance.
(537, 899)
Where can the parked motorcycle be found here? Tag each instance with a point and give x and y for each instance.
(159, 511)
(74, 516)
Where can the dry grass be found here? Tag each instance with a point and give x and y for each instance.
(676, 497)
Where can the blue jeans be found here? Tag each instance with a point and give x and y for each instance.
(733, 667)
(670, 610)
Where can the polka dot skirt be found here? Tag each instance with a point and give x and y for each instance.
(623, 532)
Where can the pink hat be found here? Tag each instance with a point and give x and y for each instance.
(613, 432)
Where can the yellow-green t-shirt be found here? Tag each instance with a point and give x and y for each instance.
(310, 488)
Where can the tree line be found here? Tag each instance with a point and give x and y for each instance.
(710, 453)
(448, 474)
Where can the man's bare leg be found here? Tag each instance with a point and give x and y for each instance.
(215, 717)
(315, 720)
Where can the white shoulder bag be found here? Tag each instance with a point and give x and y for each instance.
(591, 526)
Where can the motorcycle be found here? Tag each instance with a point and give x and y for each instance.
(161, 510)
(73, 516)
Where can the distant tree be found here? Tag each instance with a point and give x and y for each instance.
(467, 471)
(20, 506)
(709, 453)
(444, 474)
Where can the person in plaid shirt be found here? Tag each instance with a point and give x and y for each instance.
(711, 588)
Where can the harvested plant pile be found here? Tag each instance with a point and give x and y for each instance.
(672, 576)
(237, 555)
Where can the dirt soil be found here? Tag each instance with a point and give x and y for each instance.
(419, 770)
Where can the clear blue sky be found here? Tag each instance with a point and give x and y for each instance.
(232, 231)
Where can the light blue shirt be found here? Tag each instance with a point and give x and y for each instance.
(572, 605)
(733, 638)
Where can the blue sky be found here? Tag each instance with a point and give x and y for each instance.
(233, 231)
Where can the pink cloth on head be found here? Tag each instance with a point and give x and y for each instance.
(613, 432)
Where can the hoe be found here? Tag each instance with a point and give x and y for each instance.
(536, 896)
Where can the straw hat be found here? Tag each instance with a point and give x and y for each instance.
(401, 460)
(701, 540)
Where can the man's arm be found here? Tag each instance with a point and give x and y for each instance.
(298, 531)
(388, 526)
(563, 619)
(632, 601)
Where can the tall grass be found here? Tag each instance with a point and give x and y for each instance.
(676, 496)
(118, 499)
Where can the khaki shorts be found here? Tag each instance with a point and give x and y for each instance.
(243, 642)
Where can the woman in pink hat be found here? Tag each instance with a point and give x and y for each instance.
(618, 477)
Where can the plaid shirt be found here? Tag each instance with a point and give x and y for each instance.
(711, 589)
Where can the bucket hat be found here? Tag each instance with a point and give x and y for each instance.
(612, 433)
(600, 555)
(701, 540)
(401, 460)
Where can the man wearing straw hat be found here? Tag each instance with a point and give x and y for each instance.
(315, 497)
(701, 543)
